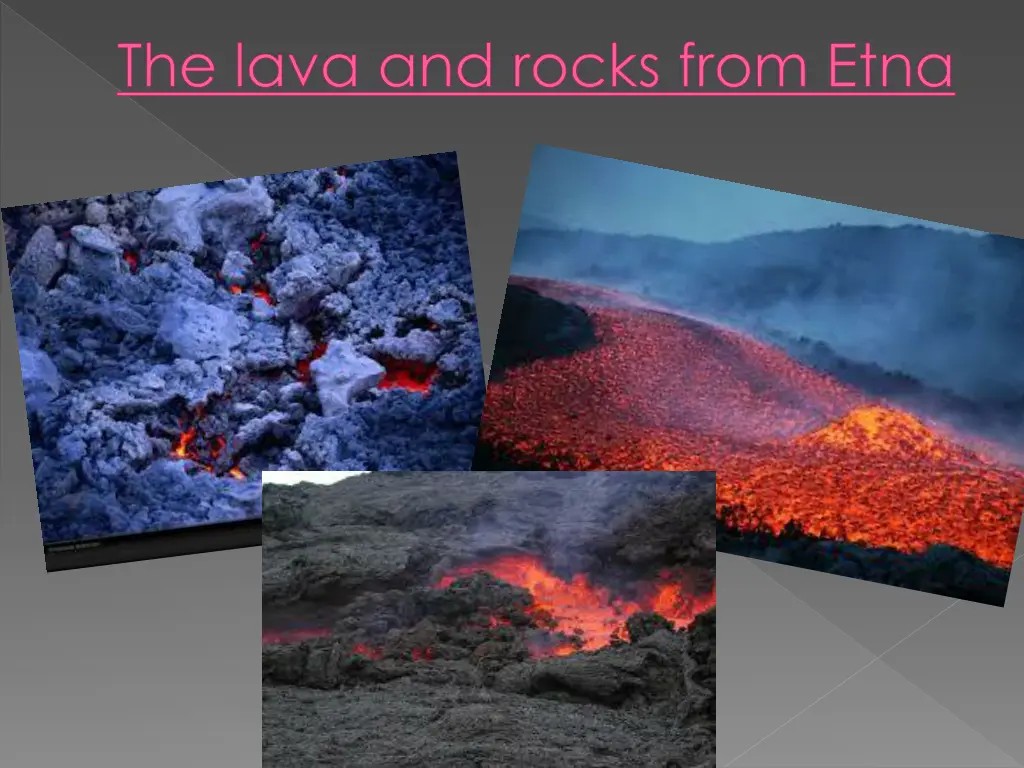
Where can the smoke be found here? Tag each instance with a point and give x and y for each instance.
(940, 306)
(563, 523)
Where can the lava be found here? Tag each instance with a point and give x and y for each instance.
(256, 243)
(591, 614)
(662, 390)
(132, 260)
(186, 448)
(262, 293)
(302, 367)
(374, 654)
(407, 374)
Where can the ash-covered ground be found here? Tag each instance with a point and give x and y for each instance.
(177, 342)
(490, 619)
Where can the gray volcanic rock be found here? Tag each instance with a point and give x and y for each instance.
(172, 340)
(341, 374)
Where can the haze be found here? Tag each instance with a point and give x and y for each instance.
(575, 190)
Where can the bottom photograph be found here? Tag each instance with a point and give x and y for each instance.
(486, 619)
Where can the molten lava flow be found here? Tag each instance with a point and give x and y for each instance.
(590, 613)
(407, 374)
(665, 391)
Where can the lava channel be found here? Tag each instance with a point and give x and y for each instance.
(662, 390)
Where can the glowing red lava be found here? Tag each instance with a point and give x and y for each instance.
(302, 367)
(579, 608)
(132, 260)
(185, 446)
(665, 391)
(262, 293)
(407, 374)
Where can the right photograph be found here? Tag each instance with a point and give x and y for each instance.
(853, 377)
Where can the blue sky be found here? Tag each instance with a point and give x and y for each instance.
(579, 191)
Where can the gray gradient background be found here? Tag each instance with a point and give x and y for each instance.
(156, 663)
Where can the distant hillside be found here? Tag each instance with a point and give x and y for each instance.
(939, 305)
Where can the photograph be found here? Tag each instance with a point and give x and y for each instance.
(852, 377)
(507, 618)
(175, 343)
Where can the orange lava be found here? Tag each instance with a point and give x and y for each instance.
(407, 374)
(665, 391)
(589, 612)
(185, 447)
(302, 367)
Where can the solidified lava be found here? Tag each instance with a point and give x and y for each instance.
(543, 328)
(590, 613)
(663, 390)
(128, 305)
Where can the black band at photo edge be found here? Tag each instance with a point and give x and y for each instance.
(63, 556)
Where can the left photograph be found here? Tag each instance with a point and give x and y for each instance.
(177, 342)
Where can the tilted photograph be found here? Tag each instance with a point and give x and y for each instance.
(175, 343)
(465, 619)
(852, 376)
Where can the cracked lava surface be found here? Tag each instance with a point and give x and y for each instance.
(661, 390)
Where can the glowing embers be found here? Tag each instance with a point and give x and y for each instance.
(584, 616)
(407, 374)
(302, 370)
(258, 291)
(664, 391)
(204, 452)
(131, 258)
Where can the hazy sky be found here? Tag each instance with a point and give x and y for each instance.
(580, 191)
(291, 478)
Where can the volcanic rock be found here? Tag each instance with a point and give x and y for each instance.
(536, 326)
(42, 258)
(199, 331)
(420, 346)
(188, 214)
(95, 239)
(341, 374)
(40, 377)
(404, 666)
(163, 374)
